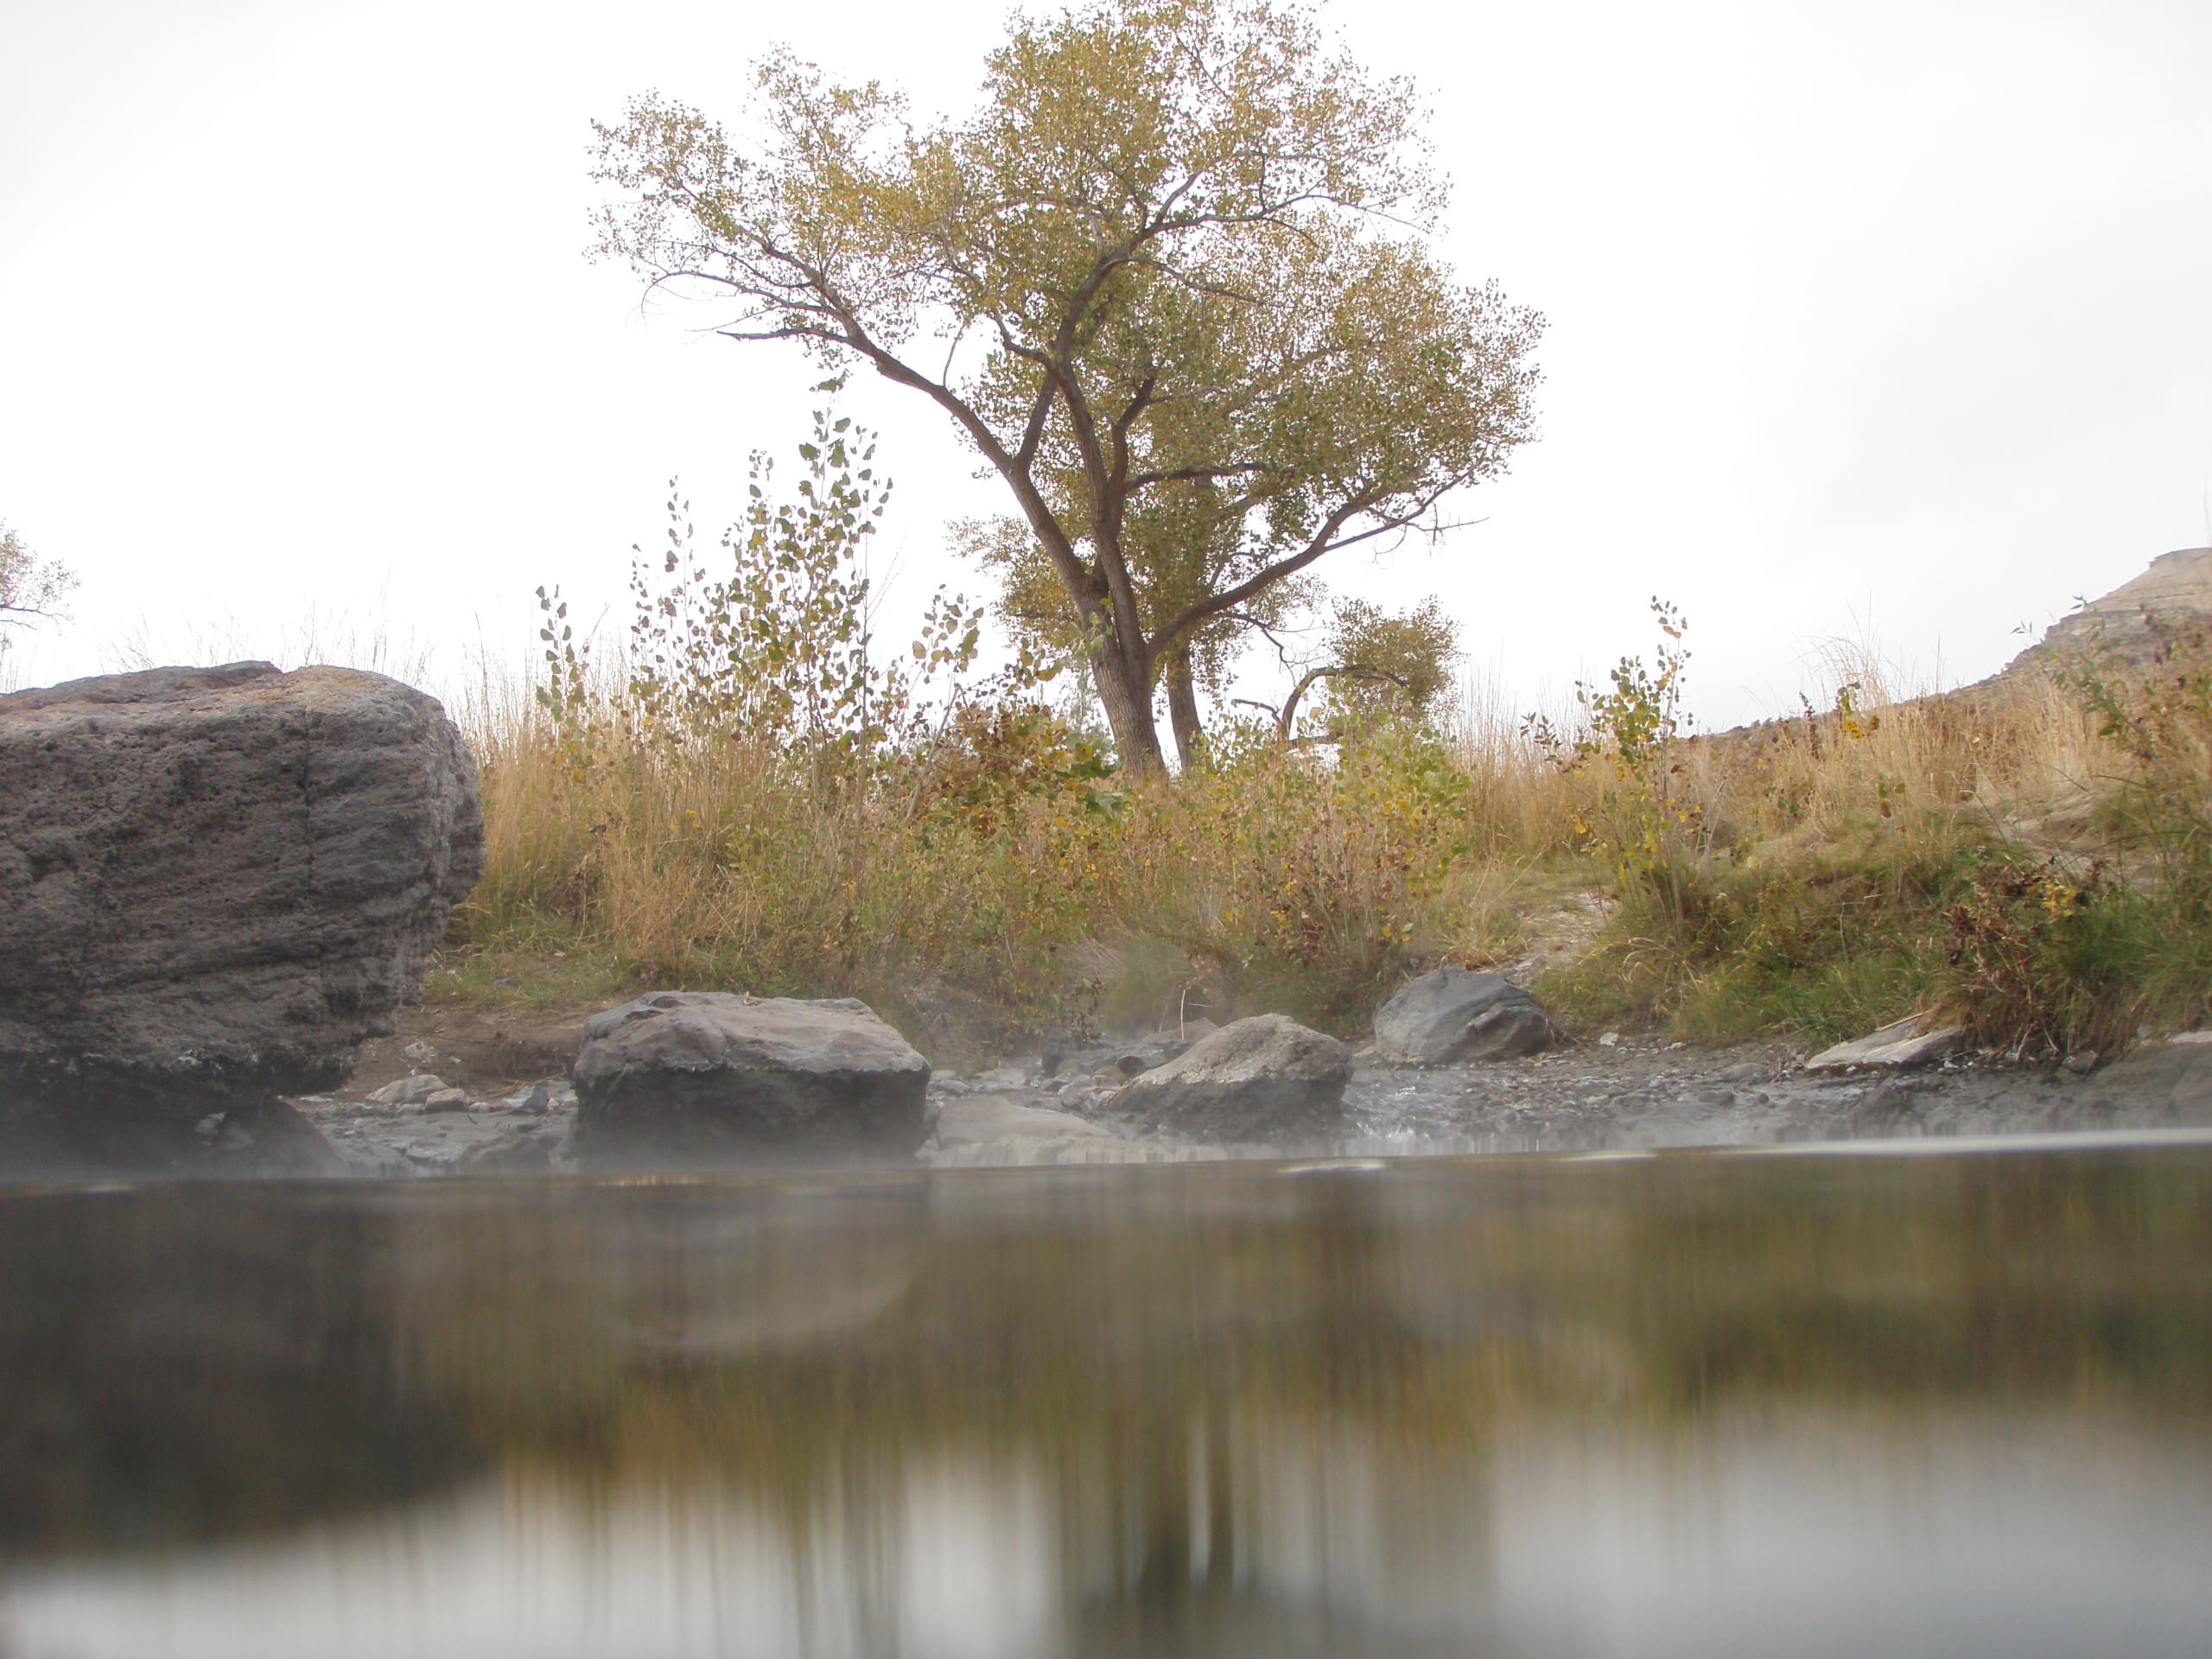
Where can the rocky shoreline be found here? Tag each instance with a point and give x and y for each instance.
(1632, 1094)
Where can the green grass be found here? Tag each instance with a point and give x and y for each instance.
(2027, 951)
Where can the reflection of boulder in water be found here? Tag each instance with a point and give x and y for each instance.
(156, 1395)
(752, 1291)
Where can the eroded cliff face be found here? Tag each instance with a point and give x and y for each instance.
(2176, 592)
(214, 883)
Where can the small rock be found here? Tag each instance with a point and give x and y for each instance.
(1609, 1039)
(2082, 1064)
(420, 1053)
(407, 1090)
(447, 1100)
(537, 1098)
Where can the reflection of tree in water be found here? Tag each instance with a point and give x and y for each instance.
(1221, 1396)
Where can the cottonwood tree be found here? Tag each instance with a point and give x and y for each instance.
(30, 586)
(1170, 280)
(1169, 572)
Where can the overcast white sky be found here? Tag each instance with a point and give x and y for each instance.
(1866, 319)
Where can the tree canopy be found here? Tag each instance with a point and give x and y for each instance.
(1170, 280)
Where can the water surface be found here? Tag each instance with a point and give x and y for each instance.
(1954, 1403)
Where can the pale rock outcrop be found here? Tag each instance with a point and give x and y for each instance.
(1914, 1040)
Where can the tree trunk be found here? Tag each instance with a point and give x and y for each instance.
(1182, 711)
(1127, 699)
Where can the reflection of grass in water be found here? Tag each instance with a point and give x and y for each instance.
(1661, 1290)
(274, 1354)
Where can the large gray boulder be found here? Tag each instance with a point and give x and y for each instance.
(1452, 1015)
(1267, 1079)
(214, 883)
(713, 1077)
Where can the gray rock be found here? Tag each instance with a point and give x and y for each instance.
(214, 883)
(1265, 1079)
(447, 1100)
(1452, 1015)
(537, 1099)
(407, 1090)
(271, 1138)
(1915, 1040)
(704, 1076)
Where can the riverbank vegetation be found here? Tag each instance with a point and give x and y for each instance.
(751, 792)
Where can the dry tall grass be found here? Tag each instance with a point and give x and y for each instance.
(996, 879)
